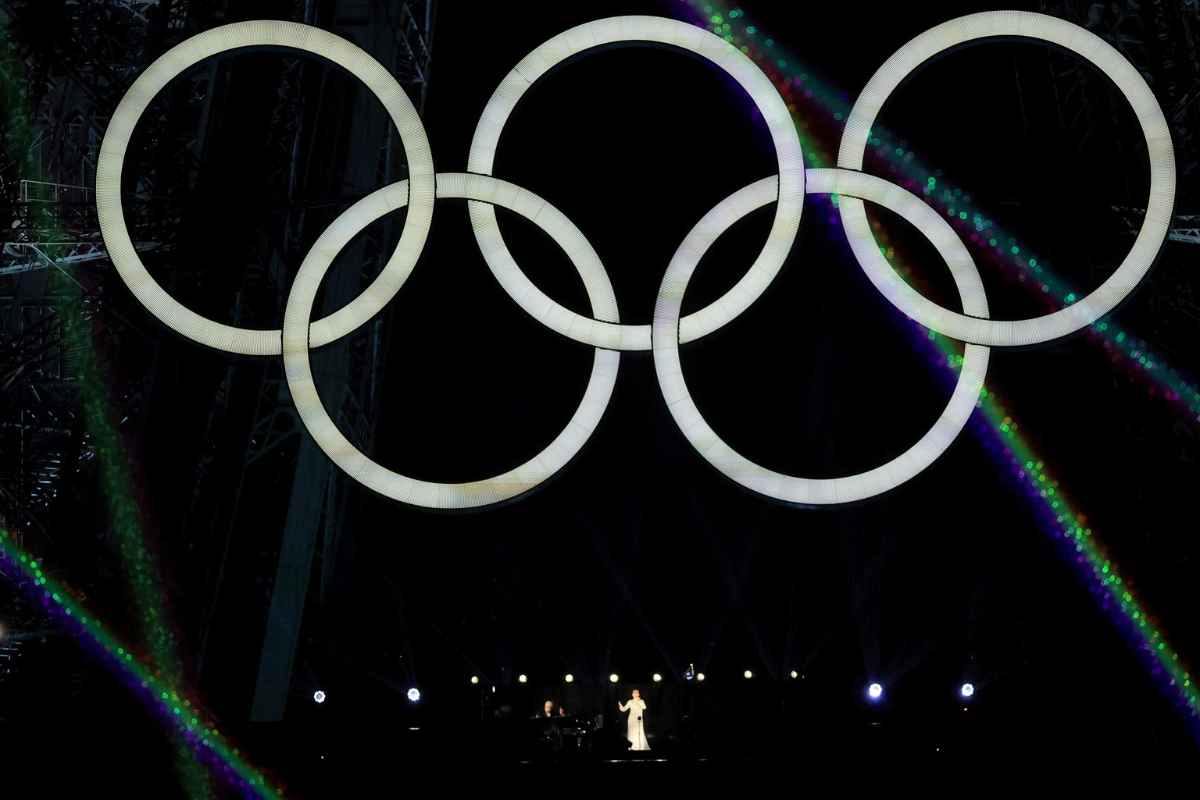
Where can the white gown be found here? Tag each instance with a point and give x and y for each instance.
(636, 730)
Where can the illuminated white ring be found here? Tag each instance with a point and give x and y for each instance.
(220, 40)
(600, 333)
(816, 491)
(357, 465)
(967, 327)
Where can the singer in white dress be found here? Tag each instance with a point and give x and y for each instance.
(636, 730)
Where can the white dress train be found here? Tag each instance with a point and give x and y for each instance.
(636, 730)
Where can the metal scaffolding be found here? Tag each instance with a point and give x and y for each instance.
(40, 433)
(65, 73)
(253, 442)
(1159, 37)
(318, 512)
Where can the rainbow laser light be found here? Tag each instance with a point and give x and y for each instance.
(997, 427)
(799, 86)
(141, 571)
(124, 513)
(171, 704)
(1058, 516)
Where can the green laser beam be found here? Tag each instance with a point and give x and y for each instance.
(188, 717)
(124, 515)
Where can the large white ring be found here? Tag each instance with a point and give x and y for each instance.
(967, 327)
(220, 40)
(356, 464)
(600, 333)
(817, 491)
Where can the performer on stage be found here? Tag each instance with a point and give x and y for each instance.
(547, 724)
(636, 727)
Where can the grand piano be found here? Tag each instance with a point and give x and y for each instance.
(558, 734)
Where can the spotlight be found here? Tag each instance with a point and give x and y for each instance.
(614, 678)
(875, 692)
(747, 674)
(414, 695)
(795, 674)
(569, 678)
(657, 678)
(522, 678)
(474, 680)
(318, 697)
(966, 691)
(699, 676)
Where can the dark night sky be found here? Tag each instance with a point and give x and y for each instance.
(638, 557)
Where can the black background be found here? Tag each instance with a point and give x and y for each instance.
(638, 557)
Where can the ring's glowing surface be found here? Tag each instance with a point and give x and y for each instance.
(600, 333)
(968, 327)
(603, 330)
(817, 491)
(356, 464)
(221, 40)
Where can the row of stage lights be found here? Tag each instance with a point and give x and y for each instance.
(612, 679)
(874, 690)
(414, 696)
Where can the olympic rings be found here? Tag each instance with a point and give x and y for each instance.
(603, 331)
(813, 491)
(1158, 208)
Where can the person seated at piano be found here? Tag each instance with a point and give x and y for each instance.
(549, 733)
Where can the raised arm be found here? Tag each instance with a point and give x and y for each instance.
(622, 707)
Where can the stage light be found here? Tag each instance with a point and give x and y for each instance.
(318, 697)
(569, 678)
(795, 674)
(699, 676)
(522, 678)
(747, 674)
(657, 678)
(967, 691)
(414, 695)
(613, 678)
(875, 692)
(474, 680)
